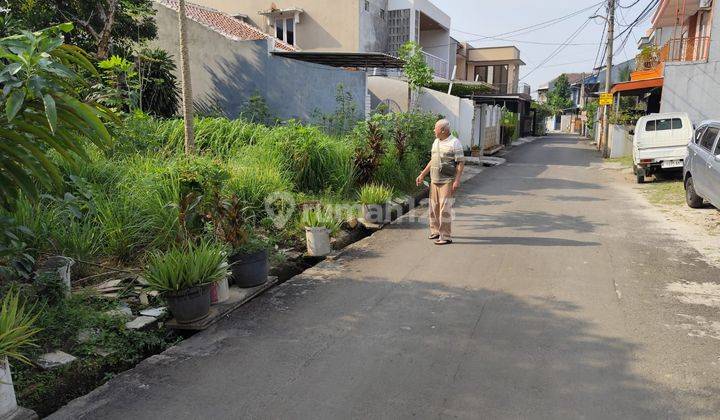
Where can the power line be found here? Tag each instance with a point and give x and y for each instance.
(560, 48)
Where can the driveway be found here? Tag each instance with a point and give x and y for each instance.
(561, 298)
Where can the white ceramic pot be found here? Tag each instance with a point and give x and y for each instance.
(220, 291)
(318, 241)
(8, 403)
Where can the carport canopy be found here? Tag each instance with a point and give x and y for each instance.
(345, 59)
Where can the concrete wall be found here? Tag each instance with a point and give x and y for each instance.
(694, 87)
(459, 111)
(226, 73)
(324, 25)
(494, 54)
(621, 143)
(374, 36)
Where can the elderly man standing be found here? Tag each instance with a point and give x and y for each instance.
(445, 168)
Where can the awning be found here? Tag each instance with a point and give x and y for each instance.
(344, 59)
(637, 85)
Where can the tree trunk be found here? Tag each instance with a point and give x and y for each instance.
(103, 48)
(187, 104)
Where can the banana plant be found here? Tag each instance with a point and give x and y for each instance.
(42, 112)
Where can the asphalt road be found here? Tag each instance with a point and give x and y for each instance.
(553, 302)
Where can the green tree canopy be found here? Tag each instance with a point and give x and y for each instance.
(559, 97)
(104, 27)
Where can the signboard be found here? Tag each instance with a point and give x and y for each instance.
(606, 99)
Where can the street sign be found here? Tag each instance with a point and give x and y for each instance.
(606, 99)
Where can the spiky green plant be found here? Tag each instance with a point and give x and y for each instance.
(322, 217)
(17, 332)
(374, 194)
(182, 268)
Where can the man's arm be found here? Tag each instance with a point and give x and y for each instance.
(422, 175)
(458, 175)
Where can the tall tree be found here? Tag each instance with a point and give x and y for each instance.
(187, 104)
(103, 26)
(559, 98)
(416, 70)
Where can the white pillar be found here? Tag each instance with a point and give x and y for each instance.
(8, 403)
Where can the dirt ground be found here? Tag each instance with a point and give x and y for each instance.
(665, 193)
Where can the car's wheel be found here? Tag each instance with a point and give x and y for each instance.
(693, 200)
(640, 179)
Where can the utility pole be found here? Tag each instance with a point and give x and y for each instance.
(581, 103)
(608, 76)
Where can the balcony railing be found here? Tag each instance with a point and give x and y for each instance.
(439, 66)
(687, 49)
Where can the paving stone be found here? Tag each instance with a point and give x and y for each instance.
(87, 335)
(140, 323)
(55, 359)
(122, 311)
(154, 312)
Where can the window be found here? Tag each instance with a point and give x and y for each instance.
(664, 124)
(382, 14)
(367, 6)
(481, 73)
(698, 134)
(285, 29)
(708, 138)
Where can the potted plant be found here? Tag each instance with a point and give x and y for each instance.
(475, 150)
(319, 225)
(16, 334)
(249, 253)
(183, 275)
(374, 199)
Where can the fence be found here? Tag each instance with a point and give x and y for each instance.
(687, 49)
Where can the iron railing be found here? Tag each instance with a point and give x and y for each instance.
(439, 66)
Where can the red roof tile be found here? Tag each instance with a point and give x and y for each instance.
(225, 24)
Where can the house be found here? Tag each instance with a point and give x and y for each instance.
(232, 60)
(687, 67)
(360, 26)
(498, 66)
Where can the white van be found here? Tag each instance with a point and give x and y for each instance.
(660, 142)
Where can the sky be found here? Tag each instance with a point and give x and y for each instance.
(474, 19)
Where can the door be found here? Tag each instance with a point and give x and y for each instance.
(702, 160)
(714, 177)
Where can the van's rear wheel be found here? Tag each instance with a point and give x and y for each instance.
(693, 200)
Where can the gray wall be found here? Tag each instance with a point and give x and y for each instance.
(695, 87)
(374, 34)
(225, 73)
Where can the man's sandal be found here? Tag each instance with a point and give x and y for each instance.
(434, 236)
(443, 242)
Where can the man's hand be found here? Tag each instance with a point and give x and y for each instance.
(419, 180)
(455, 185)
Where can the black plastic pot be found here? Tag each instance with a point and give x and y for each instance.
(249, 270)
(190, 305)
(375, 213)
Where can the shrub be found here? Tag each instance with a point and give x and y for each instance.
(186, 267)
(159, 92)
(374, 194)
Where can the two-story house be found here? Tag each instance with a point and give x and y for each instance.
(498, 66)
(351, 25)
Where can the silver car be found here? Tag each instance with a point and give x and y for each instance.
(701, 170)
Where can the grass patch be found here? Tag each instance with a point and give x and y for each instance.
(626, 161)
(666, 193)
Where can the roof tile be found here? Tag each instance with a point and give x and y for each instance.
(225, 24)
